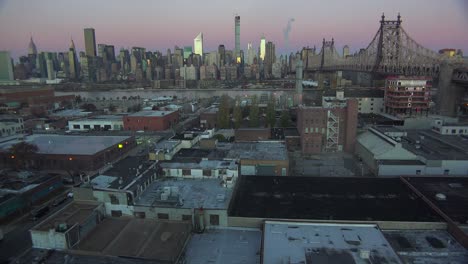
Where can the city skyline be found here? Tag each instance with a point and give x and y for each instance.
(156, 31)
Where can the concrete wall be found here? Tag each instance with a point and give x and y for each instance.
(251, 222)
(114, 124)
(48, 239)
(119, 203)
(399, 170)
(176, 214)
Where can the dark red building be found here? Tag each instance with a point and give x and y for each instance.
(151, 120)
(328, 129)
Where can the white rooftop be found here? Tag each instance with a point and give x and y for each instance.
(204, 164)
(67, 144)
(224, 246)
(152, 113)
(190, 193)
(293, 242)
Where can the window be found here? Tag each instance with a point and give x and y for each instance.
(359, 108)
(446, 172)
(113, 199)
(97, 127)
(454, 131)
(307, 130)
(372, 104)
(76, 126)
(186, 217)
(162, 216)
(207, 173)
(418, 172)
(186, 172)
(214, 219)
(372, 99)
(372, 109)
(86, 126)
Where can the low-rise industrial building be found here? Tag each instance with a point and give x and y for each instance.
(221, 169)
(389, 151)
(107, 122)
(11, 125)
(151, 120)
(252, 134)
(209, 118)
(165, 150)
(70, 152)
(296, 242)
(204, 202)
(260, 158)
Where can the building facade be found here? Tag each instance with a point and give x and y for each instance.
(151, 120)
(328, 129)
(407, 96)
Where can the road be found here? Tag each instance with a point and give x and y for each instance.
(18, 240)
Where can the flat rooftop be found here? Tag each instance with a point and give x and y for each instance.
(102, 118)
(388, 129)
(357, 93)
(194, 154)
(152, 113)
(71, 113)
(74, 213)
(204, 165)
(310, 243)
(187, 193)
(68, 144)
(426, 246)
(124, 172)
(333, 198)
(224, 246)
(137, 238)
(262, 150)
(455, 190)
(434, 146)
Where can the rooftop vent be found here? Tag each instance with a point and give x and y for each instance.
(441, 197)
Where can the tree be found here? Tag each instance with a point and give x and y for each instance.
(254, 111)
(89, 107)
(270, 114)
(112, 108)
(237, 114)
(22, 153)
(285, 119)
(223, 113)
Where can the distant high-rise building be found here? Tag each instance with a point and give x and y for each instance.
(345, 51)
(50, 69)
(101, 50)
(90, 42)
(270, 58)
(262, 48)
(198, 44)
(187, 51)
(124, 58)
(73, 61)
(250, 54)
(32, 47)
(222, 55)
(6, 66)
(237, 37)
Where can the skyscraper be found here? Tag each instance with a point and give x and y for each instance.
(198, 44)
(6, 66)
(32, 47)
(90, 42)
(345, 51)
(237, 36)
(262, 48)
(250, 54)
(270, 58)
(73, 61)
(222, 55)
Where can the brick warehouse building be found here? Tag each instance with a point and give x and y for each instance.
(151, 120)
(328, 129)
(65, 152)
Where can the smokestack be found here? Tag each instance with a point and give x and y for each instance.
(286, 32)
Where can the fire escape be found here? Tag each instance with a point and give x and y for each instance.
(333, 130)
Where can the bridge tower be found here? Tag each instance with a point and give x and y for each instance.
(389, 43)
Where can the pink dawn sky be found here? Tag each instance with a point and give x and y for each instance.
(158, 25)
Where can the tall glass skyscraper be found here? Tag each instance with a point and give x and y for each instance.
(198, 44)
(90, 42)
(237, 37)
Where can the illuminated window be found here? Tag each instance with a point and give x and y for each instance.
(120, 146)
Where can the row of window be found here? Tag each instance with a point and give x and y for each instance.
(214, 218)
(317, 130)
